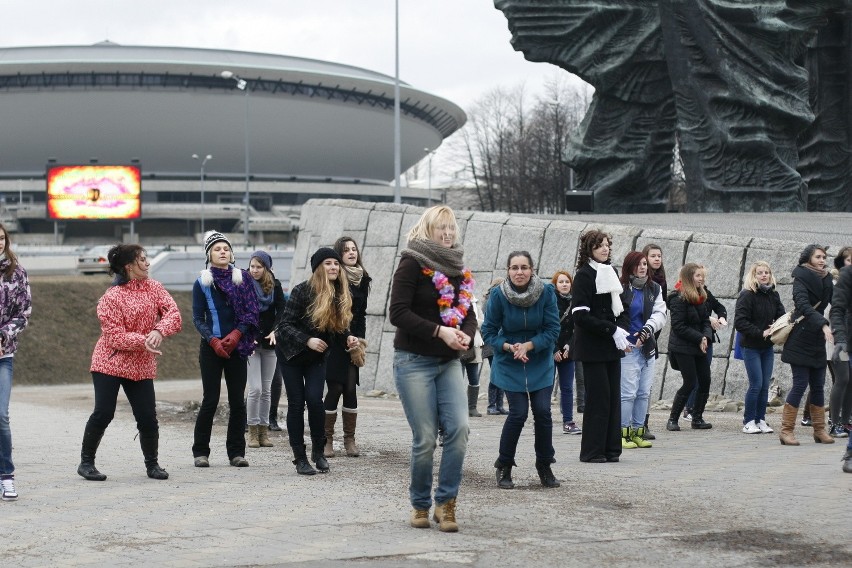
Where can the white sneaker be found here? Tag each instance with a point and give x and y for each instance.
(751, 428)
(8, 489)
(764, 427)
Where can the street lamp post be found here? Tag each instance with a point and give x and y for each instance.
(429, 190)
(242, 85)
(207, 158)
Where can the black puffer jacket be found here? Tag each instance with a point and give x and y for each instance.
(690, 322)
(806, 345)
(755, 311)
(841, 306)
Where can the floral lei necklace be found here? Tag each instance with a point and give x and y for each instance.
(451, 315)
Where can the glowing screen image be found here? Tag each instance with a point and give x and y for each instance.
(94, 192)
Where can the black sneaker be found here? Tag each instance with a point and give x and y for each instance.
(807, 421)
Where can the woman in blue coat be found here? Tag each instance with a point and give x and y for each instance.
(521, 325)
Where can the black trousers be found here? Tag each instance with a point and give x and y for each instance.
(140, 395)
(602, 419)
(235, 370)
(304, 384)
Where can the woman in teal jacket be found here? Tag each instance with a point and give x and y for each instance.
(521, 325)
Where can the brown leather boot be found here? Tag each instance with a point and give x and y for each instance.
(330, 421)
(253, 441)
(818, 419)
(445, 516)
(263, 436)
(350, 418)
(788, 422)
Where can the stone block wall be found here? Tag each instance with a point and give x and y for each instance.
(488, 238)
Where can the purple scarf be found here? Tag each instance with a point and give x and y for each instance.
(243, 300)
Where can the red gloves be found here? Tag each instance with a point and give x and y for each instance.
(219, 347)
(229, 342)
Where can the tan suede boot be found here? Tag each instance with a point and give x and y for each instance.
(445, 516)
(263, 436)
(253, 442)
(788, 422)
(818, 419)
(350, 418)
(330, 420)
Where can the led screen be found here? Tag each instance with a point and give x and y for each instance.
(94, 192)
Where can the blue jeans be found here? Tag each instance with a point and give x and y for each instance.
(637, 376)
(433, 393)
(758, 365)
(6, 366)
(519, 405)
(804, 377)
(566, 389)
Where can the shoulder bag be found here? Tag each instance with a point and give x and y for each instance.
(781, 328)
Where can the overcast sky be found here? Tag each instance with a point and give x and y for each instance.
(457, 49)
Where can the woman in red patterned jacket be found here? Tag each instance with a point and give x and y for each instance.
(136, 313)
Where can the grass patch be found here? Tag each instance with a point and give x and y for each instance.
(56, 347)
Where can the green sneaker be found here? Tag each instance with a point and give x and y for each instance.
(637, 437)
(626, 442)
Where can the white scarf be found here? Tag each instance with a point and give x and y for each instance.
(606, 281)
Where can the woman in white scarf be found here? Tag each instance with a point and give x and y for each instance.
(600, 341)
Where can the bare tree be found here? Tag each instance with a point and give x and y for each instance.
(511, 149)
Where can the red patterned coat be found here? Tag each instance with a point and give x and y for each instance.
(128, 313)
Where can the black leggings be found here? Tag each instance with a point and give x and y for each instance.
(140, 395)
(693, 368)
(348, 389)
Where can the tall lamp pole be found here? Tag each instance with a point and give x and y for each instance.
(429, 190)
(206, 159)
(397, 159)
(242, 85)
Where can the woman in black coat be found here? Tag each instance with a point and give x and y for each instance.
(689, 340)
(758, 305)
(600, 340)
(804, 350)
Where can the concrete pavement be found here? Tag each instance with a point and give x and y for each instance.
(697, 498)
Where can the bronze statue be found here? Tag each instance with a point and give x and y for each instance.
(727, 77)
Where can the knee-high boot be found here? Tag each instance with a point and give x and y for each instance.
(677, 407)
(472, 396)
(150, 443)
(91, 440)
(818, 419)
(350, 419)
(698, 422)
(788, 423)
(330, 421)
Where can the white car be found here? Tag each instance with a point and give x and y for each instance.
(94, 260)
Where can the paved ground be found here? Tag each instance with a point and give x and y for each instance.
(710, 498)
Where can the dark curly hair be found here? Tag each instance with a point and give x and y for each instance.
(119, 256)
(589, 241)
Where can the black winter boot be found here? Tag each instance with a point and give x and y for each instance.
(698, 412)
(273, 405)
(303, 467)
(646, 435)
(150, 443)
(504, 474)
(546, 474)
(677, 407)
(91, 440)
(317, 456)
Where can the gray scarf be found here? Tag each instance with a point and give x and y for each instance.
(637, 282)
(523, 299)
(430, 254)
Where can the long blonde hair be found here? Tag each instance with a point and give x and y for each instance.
(432, 218)
(750, 281)
(331, 307)
(687, 287)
